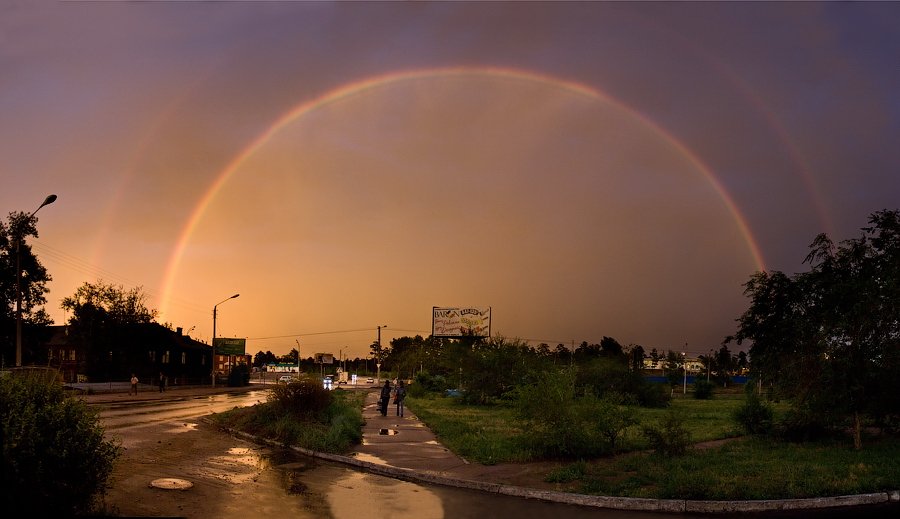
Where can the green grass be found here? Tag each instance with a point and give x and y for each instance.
(485, 434)
(490, 434)
(743, 468)
(747, 468)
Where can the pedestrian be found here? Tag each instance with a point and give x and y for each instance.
(162, 382)
(385, 397)
(134, 383)
(398, 398)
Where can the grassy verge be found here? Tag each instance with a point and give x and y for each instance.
(743, 468)
(490, 434)
(334, 430)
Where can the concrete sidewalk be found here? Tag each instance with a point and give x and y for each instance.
(402, 441)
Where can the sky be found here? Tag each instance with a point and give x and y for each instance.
(585, 169)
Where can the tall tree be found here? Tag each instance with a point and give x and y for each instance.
(33, 281)
(102, 317)
(830, 337)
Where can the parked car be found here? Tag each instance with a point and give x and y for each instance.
(370, 380)
(285, 379)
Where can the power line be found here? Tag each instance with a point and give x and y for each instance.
(75, 263)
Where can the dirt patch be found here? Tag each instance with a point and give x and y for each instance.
(228, 474)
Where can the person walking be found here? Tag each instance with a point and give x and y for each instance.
(385, 397)
(162, 382)
(134, 383)
(399, 395)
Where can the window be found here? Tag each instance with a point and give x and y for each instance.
(152, 355)
(165, 358)
(184, 357)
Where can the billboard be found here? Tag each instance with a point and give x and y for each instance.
(473, 321)
(324, 358)
(230, 346)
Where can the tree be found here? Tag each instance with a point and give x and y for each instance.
(261, 359)
(103, 316)
(830, 337)
(637, 357)
(33, 282)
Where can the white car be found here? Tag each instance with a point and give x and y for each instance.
(285, 379)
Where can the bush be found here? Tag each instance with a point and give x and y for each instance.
(239, 376)
(426, 382)
(654, 395)
(670, 437)
(304, 397)
(703, 389)
(561, 425)
(754, 416)
(56, 461)
(801, 425)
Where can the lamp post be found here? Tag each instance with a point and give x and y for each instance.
(214, 339)
(684, 363)
(378, 358)
(49, 200)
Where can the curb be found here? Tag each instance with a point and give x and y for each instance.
(610, 502)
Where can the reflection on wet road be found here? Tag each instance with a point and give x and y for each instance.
(131, 414)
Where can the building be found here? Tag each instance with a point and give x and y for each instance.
(144, 349)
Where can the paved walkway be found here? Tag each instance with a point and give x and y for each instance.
(403, 447)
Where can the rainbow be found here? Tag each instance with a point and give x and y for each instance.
(362, 86)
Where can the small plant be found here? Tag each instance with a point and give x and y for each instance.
(568, 473)
(669, 438)
(304, 397)
(703, 389)
(754, 416)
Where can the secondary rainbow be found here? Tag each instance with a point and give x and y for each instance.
(364, 85)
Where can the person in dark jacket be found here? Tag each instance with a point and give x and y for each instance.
(385, 397)
(399, 395)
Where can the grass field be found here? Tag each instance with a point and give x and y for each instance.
(742, 468)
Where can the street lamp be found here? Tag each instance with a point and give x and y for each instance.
(49, 200)
(684, 362)
(378, 358)
(214, 339)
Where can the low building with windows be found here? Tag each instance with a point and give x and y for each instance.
(146, 350)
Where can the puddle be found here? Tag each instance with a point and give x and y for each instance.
(292, 468)
(183, 428)
(171, 484)
(238, 465)
(388, 432)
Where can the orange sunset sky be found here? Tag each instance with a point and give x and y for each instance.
(585, 169)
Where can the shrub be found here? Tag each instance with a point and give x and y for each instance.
(425, 381)
(754, 416)
(304, 397)
(703, 389)
(561, 425)
(800, 425)
(670, 437)
(655, 395)
(239, 376)
(56, 461)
